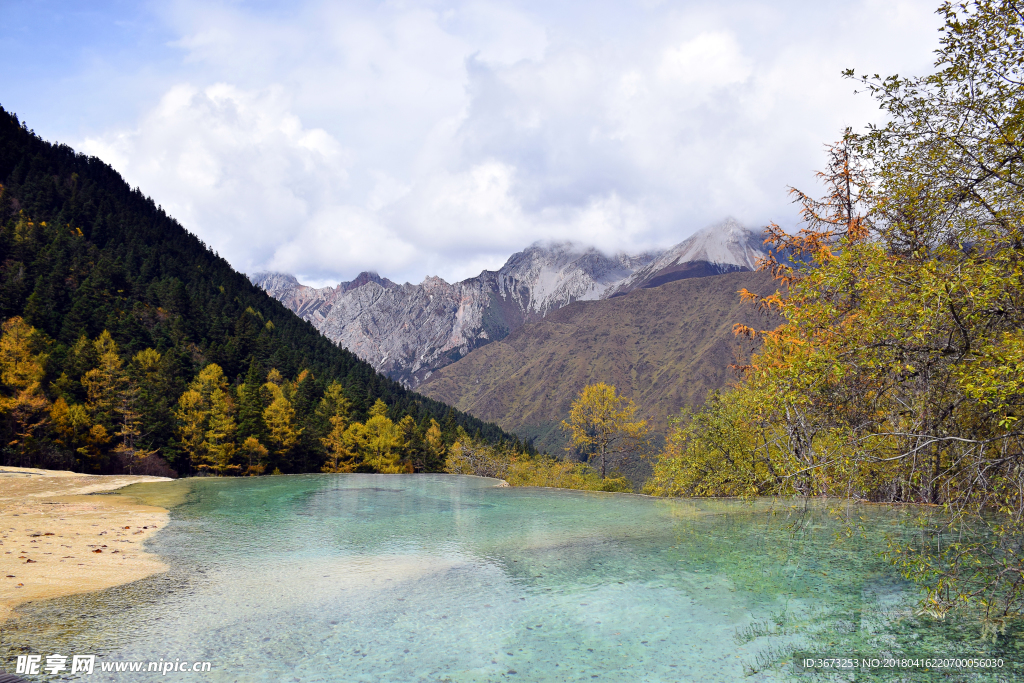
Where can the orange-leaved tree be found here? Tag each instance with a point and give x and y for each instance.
(898, 374)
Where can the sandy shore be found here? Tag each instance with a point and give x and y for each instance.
(55, 540)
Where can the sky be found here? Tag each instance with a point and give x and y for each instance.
(438, 137)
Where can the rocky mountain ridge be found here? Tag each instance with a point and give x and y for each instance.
(664, 347)
(725, 247)
(408, 331)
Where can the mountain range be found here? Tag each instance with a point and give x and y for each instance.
(664, 347)
(408, 332)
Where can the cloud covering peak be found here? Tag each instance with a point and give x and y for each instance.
(415, 138)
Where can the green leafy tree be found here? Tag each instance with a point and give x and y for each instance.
(725, 449)
(897, 375)
(474, 457)
(129, 428)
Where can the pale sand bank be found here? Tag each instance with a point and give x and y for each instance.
(55, 540)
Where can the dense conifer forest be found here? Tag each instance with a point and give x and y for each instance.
(129, 345)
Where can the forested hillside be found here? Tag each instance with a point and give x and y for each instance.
(125, 337)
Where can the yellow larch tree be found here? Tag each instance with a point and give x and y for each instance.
(384, 441)
(195, 408)
(71, 423)
(104, 383)
(334, 407)
(279, 416)
(220, 433)
(433, 444)
(191, 414)
(22, 403)
(603, 426)
(255, 455)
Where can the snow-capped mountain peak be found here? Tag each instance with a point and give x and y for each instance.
(719, 248)
(726, 243)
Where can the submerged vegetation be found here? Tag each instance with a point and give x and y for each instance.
(898, 373)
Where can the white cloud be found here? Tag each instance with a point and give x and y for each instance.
(235, 167)
(341, 238)
(418, 138)
(710, 61)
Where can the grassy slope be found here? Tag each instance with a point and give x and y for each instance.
(664, 347)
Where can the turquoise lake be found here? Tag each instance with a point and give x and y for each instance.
(410, 578)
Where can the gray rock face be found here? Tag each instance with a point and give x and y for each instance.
(541, 279)
(408, 331)
(308, 302)
(724, 247)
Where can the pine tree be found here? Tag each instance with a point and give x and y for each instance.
(129, 450)
(250, 405)
(305, 399)
(156, 395)
(449, 427)
(84, 254)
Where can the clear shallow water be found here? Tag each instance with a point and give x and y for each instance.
(440, 578)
